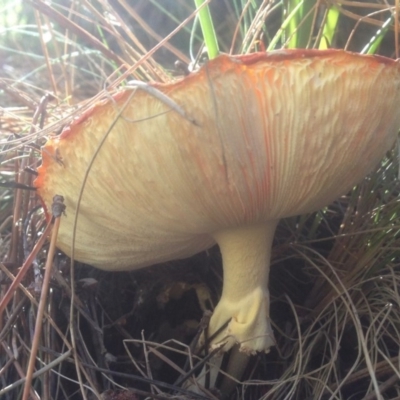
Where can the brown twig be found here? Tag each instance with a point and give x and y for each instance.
(57, 208)
(24, 269)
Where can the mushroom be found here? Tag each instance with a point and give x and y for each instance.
(252, 139)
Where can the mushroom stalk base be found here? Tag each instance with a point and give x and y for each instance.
(246, 253)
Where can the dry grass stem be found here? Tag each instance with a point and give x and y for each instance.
(335, 277)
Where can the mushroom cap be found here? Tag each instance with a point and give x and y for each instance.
(268, 135)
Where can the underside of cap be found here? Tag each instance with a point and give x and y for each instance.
(266, 136)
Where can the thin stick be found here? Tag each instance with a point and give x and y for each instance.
(41, 371)
(58, 209)
(160, 96)
(24, 269)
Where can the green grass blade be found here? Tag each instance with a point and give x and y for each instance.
(160, 6)
(376, 40)
(329, 29)
(207, 27)
(284, 27)
(291, 31)
(300, 27)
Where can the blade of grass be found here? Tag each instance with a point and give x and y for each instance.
(160, 6)
(372, 46)
(283, 27)
(150, 31)
(292, 27)
(299, 29)
(329, 29)
(207, 27)
(79, 31)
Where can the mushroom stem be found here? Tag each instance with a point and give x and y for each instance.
(246, 253)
